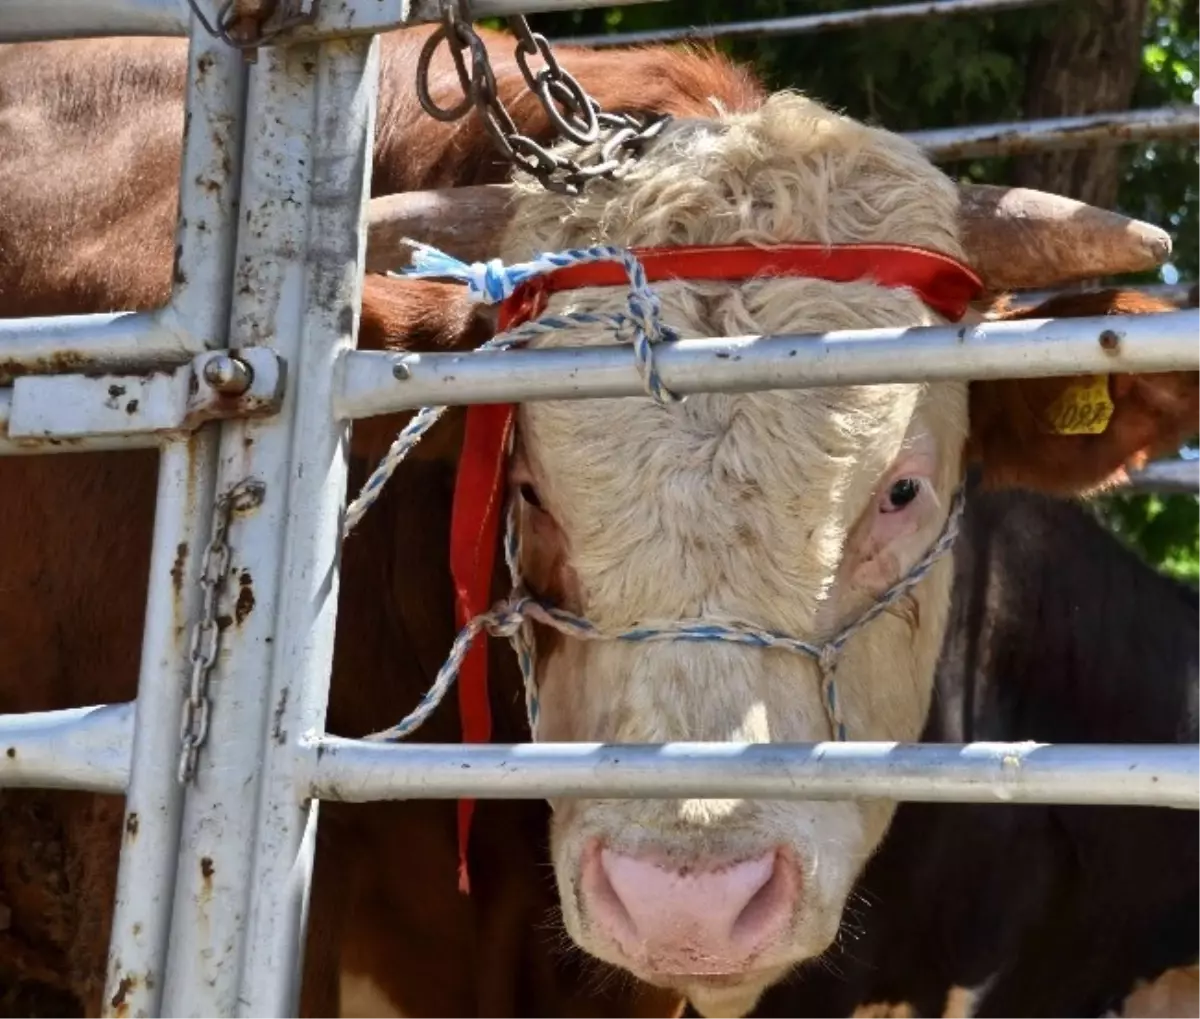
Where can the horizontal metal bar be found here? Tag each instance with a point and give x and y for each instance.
(79, 748)
(10, 446)
(1130, 774)
(70, 407)
(798, 25)
(1092, 130)
(357, 17)
(1167, 477)
(1027, 348)
(126, 341)
(28, 20)
(1179, 294)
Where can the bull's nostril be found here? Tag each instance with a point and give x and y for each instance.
(602, 897)
(769, 907)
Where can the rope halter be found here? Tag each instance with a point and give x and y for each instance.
(493, 283)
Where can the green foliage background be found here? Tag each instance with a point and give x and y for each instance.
(971, 69)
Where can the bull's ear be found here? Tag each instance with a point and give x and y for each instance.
(1078, 434)
(415, 315)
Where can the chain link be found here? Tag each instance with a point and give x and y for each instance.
(247, 34)
(574, 115)
(206, 634)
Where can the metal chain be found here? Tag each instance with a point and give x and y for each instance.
(247, 34)
(206, 634)
(575, 116)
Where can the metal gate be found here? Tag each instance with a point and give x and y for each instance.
(246, 383)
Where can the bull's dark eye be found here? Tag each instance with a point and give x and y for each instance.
(529, 494)
(901, 494)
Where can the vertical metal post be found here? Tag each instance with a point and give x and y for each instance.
(347, 77)
(243, 875)
(186, 479)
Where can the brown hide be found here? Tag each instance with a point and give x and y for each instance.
(89, 156)
(1152, 414)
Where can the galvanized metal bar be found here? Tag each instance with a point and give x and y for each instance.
(209, 185)
(69, 407)
(800, 24)
(285, 831)
(1093, 130)
(10, 446)
(246, 848)
(339, 18)
(141, 920)
(213, 882)
(80, 748)
(28, 20)
(127, 341)
(1128, 774)
(1026, 348)
(1167, 477)
(1179, 294)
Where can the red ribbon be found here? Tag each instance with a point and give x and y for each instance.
(943, 284)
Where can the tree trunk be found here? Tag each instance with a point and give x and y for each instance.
(1088, 63)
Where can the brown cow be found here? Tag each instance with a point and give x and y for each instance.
(89, 243)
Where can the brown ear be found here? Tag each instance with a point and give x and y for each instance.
(1077, 434)
(420, 316)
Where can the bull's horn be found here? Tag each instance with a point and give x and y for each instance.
(1015, 238)
(1020, 239)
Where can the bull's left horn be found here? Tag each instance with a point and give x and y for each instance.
(1019, 239)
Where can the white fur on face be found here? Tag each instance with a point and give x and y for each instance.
(770, 508)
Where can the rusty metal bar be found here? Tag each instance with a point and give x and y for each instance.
(141, 923)
(127, 341)
(1093, 130)
(800, 24)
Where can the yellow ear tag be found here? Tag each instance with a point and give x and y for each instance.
(1083, 408)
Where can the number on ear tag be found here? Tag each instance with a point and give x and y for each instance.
(1083, 408)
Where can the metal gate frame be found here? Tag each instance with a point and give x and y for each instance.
(247, 382)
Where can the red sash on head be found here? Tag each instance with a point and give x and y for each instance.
(941, 282)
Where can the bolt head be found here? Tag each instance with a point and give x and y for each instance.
(401, 372)
(228, 375)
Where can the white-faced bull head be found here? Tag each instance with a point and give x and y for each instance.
(791, 512)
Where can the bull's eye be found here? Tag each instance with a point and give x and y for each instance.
(901, 494)
(529, 494)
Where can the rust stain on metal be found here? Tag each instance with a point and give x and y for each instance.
(178, 566)
(206, 871)
(278, 732)
(118, 1002)
(131, 407)
(132, 823)
(58, 363)
(245, 598)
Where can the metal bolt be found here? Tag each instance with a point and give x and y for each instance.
(228, 375)
(401, 372)
(1110, 341)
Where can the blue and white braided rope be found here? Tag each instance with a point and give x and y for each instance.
(512, 617)
(493, 282)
